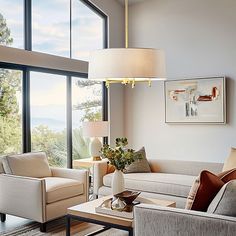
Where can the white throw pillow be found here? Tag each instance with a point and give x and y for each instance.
(33, 164)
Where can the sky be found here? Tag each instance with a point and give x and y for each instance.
(51, 27)
(51, 34)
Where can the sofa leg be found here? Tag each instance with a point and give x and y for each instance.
(43, 227)
(3, 217)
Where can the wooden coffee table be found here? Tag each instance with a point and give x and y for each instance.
(85, 212)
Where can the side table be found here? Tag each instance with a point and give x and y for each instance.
(89, 164)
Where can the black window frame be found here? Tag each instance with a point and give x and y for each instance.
(26, 120)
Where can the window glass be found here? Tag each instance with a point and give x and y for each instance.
(10, 111)
(48, 116)
(51, 27)
(12, 23)
(87, 30)
(86, 106)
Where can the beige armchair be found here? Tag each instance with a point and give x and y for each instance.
(29, 188)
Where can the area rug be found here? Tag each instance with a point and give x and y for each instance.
(57, 228)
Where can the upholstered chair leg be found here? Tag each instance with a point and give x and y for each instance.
(43, 227)
(3, 217)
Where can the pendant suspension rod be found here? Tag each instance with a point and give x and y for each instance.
(126, 25)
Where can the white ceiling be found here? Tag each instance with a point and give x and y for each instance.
(130, 1)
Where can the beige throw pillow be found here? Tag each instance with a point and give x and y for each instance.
(140, 165)
(33, 164)
(230, 162)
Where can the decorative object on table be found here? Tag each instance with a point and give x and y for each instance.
(127, 196)
(201, 100)
(127, 65)
(122, 202)
(120, 157)
(106, 208)
(117, 204)
(95, 130)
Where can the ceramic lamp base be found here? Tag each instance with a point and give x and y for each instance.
(95, 148)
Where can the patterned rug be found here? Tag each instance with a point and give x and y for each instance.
(57, 228)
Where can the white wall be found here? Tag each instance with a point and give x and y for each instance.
(199, 39)
(115, 12)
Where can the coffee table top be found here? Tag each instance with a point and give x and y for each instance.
(87, 210)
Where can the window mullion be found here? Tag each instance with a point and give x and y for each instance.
(28, 24)
(26, 112)
(69, 122)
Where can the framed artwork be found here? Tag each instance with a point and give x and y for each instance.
(200, 101)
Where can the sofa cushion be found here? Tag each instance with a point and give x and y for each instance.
(203, 191)
(34, 164)
(230, 162)
(140, 165)
(61, 188)
(224, 202)
(169, 184)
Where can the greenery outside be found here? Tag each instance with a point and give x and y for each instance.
(43, 138)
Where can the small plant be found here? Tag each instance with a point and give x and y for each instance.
(119, 156)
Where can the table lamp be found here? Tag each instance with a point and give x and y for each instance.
(94, 130)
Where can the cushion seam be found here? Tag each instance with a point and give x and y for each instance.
(74, 195)
(68, 186)
(157, 182)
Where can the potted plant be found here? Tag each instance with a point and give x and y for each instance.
(119, 157)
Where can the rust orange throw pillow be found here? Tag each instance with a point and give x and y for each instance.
(228, 175)
(205, 188)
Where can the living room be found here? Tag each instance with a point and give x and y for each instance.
(179, 124)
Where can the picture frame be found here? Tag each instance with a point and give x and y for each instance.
(195, 101)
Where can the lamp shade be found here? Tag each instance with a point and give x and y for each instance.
(117, 63)
(96, 129)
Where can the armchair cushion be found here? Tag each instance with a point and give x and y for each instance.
(28, 164)
(62, 188)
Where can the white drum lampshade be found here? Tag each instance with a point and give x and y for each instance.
(137, 64)
(94, 130)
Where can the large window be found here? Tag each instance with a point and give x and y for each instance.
(48, 116)
(10, 111)
(12, 23)
(87, 30)
(86, 106)
(42, 109)
(51, 27)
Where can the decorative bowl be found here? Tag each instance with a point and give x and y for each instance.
(127, 196)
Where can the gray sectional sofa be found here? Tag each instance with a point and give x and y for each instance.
(153, 220)
(169, 180)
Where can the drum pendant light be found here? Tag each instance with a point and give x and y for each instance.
(127, 65)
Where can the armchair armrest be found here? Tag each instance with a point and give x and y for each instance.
(165, 221)
(23, 196)
(99, 170)
(80, 175)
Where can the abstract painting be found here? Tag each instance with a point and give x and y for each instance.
(200, 100)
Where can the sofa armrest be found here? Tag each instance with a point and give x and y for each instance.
(99, 170)
(80, 175)
(23, 196)
(165, 221)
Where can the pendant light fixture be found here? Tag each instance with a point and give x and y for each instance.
(127, 65)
